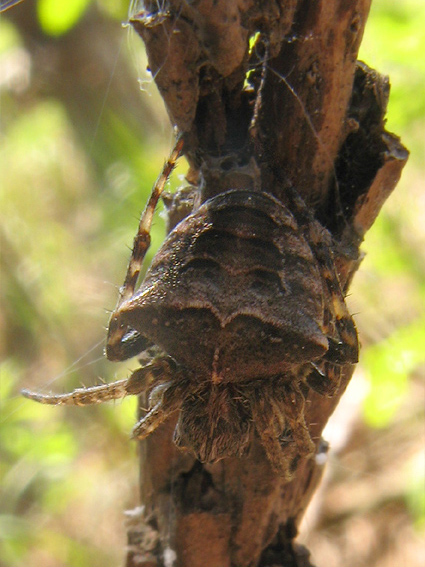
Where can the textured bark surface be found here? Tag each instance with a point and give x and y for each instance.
(318, 126)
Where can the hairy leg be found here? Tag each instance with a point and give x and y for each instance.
(139, 381)
(166, 399)
(117, 348)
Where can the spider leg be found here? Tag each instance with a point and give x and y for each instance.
(139, 381)
(167, 399)
(142, 238)
(116, 332)
(324, 378)
(342, 336)
(343, 341)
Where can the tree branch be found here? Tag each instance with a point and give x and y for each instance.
(320, 129)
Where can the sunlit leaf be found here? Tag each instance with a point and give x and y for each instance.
(388, 365)
(56, 18)
(9, 36)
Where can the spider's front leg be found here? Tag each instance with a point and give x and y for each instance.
(139, 381)
(122, 341)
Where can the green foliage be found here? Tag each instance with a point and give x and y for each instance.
(9, 37)
(394, 43)
(37, 451)
(389, 365)
(115, 8)
(64, 227)
(57, 18)
(392, 278)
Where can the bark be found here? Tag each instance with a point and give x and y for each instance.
(311, 117)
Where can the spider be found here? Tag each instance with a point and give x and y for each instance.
(244, 312)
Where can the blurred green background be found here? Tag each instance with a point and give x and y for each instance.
(83, 137)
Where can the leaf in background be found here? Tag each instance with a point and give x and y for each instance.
(56, 18)
(394, 43)
(115, 8)
(389, 365)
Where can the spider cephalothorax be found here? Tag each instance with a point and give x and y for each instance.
(244, 308)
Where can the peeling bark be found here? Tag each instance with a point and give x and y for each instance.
(319, 128)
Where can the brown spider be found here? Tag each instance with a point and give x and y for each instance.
(244, 308)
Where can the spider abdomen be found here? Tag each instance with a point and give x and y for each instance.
(235, 291)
